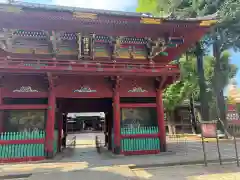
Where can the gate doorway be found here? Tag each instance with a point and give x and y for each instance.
(81, 120)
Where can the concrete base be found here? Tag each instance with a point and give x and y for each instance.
(117, 150)
(49, 155)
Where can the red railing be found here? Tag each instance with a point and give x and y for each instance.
(84, 66)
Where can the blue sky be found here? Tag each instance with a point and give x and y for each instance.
(123, 5)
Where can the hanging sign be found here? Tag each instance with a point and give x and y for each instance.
(85, 89)
(137, 89)
(25, 89)
(209, 130)
(232, 114)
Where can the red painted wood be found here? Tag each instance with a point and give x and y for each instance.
(33, 21)
(191, 36)
(128, 84)
(90, 72)
(50, 121)
(23, 159)
(15, 82)
(143, 152)
(25, 95)
(83, 67)
(1, 112)
(23, 106)
(116, 115)
(122, 105)
(234, 122)
(139, 136)
(25, 141)
(160, 116)
(100, 87)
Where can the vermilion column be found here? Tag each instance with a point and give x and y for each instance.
(160, 116)
(116, 123)
(1, 112)
(50, 124)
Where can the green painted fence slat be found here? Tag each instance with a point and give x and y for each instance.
(21, 150)
(138, 144)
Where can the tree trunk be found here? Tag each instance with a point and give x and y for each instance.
(193, 116)
(171, 126)
(202, 84)
(221, 111)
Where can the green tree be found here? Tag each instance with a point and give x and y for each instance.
(225, 36)
(183, 89)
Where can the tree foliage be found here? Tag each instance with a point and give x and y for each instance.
(225, 36)
(188, 84)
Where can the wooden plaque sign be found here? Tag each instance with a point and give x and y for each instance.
(209, 130)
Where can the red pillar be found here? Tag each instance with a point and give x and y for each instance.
(116, 123)
(161, 124)
(1, 112)
(50, 124)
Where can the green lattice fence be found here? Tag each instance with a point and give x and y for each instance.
(140, 144)
(21, 150)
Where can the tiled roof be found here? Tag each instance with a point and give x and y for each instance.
(98, 11)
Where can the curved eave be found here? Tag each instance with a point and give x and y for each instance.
(102, 14)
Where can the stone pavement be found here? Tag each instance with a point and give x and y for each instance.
(193, 172)
(84, 159)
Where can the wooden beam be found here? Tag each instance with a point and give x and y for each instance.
(23, 106)
(161, 81)
(129, 105)
(50, 79)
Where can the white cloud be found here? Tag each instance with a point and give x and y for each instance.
(97, 4)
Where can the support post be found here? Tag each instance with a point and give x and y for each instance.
(50, 121)
(160, 116)
(1, 111)
(116, 115)
(60, 129)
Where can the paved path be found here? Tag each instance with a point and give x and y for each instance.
(84, 161)
(193, 172)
